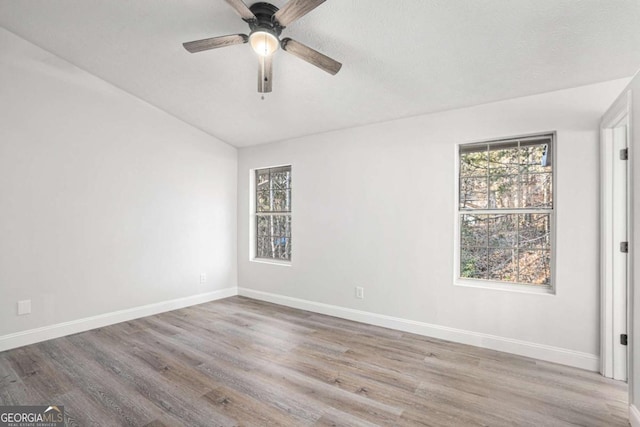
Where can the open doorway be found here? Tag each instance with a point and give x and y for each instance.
(614, 229)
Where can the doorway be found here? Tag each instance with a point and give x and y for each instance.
(614, 225)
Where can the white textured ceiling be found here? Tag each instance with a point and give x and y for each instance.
(401, 58)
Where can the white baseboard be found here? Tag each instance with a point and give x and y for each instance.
(523, 348)
(548, 353)
(634, 416)
(45, 333)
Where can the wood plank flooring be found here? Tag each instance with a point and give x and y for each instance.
(240, 362)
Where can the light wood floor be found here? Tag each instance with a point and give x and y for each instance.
(243, 362)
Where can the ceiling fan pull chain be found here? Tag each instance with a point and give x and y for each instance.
(263, 80)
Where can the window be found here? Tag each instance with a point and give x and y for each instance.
(505, 211)
(273, 213)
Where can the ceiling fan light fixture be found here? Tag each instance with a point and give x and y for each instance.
(263, 42)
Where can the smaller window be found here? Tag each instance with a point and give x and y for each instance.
(273, 213)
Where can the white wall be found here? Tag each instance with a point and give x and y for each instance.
(106, 202)
(375, 206)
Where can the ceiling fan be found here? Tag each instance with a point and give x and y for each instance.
(266, 23)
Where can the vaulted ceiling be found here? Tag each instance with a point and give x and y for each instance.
(401, 58)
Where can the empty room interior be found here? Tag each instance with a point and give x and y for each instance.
(319, 213)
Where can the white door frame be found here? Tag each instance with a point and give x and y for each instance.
(617, 116)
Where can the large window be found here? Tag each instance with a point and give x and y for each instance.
(273, 213)
(505, 211)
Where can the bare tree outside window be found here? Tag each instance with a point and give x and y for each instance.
(506, 210)
(273, 213)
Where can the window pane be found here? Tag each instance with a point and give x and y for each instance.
(473, 164)
(503, 264)
(263, 226)
(263, 201)
(282, 179)
(504, 192)
(505, 161)
(535, 160)
(535, 191)
(473, 230)
(535, 231)
(281, 201)
(281, 247)
(281, 225)
(274, 247)
(262, 179)
(503, 231)
(535, 267)
(286, 254)
(273, 201)
(264, 249)
(473, 193)
(473, 263)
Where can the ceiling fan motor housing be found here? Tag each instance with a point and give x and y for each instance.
(264, 19)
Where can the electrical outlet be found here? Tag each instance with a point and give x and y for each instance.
(359, 292)
(203, 277)
(24, 307)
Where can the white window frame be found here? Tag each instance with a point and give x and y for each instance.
(493, 284)
(253, 218)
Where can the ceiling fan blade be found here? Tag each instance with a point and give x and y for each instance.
(215, 42)
(314, 57)
(265, 73)
(295, 9)
(242, 9)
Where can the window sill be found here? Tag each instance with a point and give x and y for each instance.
(271, 261)
(509, 287)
